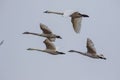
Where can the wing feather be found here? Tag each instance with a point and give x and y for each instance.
(45, 29)
(76, 22)
(90, 46)
(1, 42)
(49, 45)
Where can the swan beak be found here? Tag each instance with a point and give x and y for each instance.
(29, 49)
(26, 33)
(104, 58)
(60, 37)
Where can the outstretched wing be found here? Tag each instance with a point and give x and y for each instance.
(1, 42)
(90, 46)
(49, 45)
(45, 29)
(76, 22)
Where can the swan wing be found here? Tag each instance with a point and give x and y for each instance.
(76, 22)
(90, 47)
(45, 29)
(49, 45)
(1, 42)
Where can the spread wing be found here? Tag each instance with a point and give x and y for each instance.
(76, 22)
(90, 47)
(1, 42)
(45, 29)
(49, 45)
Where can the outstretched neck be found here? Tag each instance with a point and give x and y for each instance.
(59, 52)
(59, 13)
(35, 49)
(77, 52)
(32, 33)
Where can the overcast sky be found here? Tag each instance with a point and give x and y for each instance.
(103, 27)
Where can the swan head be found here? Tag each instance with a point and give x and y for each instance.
(76, 14)
(46, 11)
(101, 56)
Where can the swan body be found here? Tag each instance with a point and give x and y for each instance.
(91, 51)
(50, 48)
(76, 18)
(46, 33)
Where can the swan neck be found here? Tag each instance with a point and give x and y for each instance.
(59, 13)
(35, 49)
(32, 33)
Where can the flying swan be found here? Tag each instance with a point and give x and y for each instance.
(91, 51)
(46, 33)
(76, 18)
(50, 48)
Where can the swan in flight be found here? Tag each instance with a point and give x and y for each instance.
(46, 33)
(91, 51)
(50, 48)
(1, 42)
(76, 18)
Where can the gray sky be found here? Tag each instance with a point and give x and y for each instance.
(17, 16)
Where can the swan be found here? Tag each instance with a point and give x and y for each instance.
(1, 42)
(76, 18)
(50, 48)
(46, 33)
(91, 51)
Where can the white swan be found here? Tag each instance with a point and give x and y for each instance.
(46, 33)
(1, 42)
(50, 48)
(91, 51)
(76, 18)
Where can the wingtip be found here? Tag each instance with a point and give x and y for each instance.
(88, 39)
(1, 42)
(42, 25)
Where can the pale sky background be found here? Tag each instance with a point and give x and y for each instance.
(103, 27)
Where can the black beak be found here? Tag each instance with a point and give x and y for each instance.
(103, 58)
(84, 15)
(59, 37)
